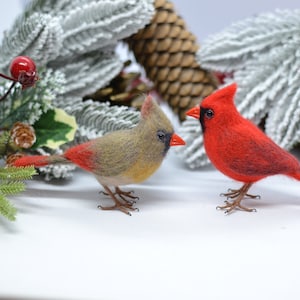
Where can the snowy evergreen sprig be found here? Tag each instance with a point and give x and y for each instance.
(89, 72)
(102, 23)
(95, 119)
(29, 104)
(263, 55)
(243, 41)
(52, 7)
(38, 36)
(58, 33)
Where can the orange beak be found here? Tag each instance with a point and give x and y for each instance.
(194, 112)
(176, 140)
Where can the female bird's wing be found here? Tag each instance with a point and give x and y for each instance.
(109, 155)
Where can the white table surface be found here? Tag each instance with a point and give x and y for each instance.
(178, 246)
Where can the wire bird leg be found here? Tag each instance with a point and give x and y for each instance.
(237, 196)
(123, 204)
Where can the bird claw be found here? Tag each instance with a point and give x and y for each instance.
(230, 206)
(237, 196)
(123, 208)
(123, 204)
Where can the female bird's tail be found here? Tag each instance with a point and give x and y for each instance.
(39, 160)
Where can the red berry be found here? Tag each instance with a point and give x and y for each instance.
(21, 64)
(23, 70)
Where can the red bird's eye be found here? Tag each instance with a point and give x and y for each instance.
(209, 113)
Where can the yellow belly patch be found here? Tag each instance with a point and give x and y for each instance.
(140, 172)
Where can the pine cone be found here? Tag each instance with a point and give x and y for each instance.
(22, 135)
(11, 158)
(166, 49)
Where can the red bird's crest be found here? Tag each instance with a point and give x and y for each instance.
(221, 100)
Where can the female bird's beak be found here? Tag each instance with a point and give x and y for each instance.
(176, 140)
(194, 112)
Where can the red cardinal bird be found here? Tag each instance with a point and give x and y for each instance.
(238, 148)
(121, 157)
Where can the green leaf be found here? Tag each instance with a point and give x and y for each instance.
(54, 128)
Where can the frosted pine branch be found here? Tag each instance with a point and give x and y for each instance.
(232, 47)
(88, 72)
(262, 84)
(101, 23)
(52, 7)
(38, 36)
(95, 119)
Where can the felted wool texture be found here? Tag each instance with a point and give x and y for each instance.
(237, 147)
(120, 157)
(39, 160)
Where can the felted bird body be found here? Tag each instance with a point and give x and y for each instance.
(237, 147)
(121, 157)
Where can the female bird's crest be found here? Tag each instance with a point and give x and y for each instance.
(152, 111)
(147, 107)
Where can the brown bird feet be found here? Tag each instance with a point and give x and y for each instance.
(237, 196)
(123, 204)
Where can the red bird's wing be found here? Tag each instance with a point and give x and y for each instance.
(247, 154)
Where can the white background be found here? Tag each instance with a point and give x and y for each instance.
(178, 246)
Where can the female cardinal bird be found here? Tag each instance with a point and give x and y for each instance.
(120, 157)
(238, 148)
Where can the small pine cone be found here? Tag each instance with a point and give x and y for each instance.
(10, 159)
(22, 135)
(167, 51)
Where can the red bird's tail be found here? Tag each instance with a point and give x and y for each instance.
(39, 160)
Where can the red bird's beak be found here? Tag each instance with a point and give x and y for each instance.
(176, 140)
(194, 112)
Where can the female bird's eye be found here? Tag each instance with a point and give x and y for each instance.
(209, 113)
(161, 135)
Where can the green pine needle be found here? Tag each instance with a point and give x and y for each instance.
(7, 209)
(11, 188)
(10, 184)
(17, 173)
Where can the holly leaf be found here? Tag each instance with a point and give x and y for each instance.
(54, 128)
